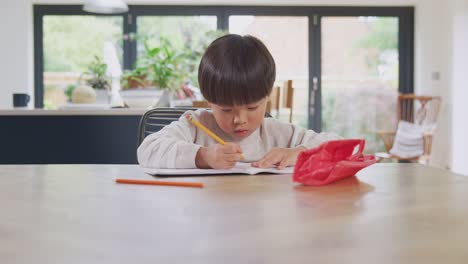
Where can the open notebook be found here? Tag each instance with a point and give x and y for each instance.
(240, 168)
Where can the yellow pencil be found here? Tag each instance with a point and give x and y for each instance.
(207, 131)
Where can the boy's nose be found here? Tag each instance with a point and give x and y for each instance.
(240, 118)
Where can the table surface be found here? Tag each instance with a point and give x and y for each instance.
(389, 213)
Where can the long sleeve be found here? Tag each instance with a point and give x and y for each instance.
(309, 138)
(172, 147)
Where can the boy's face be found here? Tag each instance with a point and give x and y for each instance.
(239, 121)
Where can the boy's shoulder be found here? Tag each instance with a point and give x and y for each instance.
(271, 122)
(199, 114)
(202, 115)
(273, 126)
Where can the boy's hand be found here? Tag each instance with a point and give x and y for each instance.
(218, 156)
(279, 157)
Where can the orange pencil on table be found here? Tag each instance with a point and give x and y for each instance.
(206, 130)
(164, 183)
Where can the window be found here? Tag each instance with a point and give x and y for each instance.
(331, 55)
(359, 76)
(289, 48)
(70, 43)
(181, 30)
(186, 33)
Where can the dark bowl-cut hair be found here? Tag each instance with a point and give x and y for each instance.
(236, 70)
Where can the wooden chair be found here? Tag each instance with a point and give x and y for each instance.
(274, 100)
(288, 99)
(200, 104)
(417, 109)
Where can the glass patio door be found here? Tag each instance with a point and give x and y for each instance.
(290, 50)
(359, 76)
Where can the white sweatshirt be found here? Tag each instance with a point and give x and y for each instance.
(176, 145)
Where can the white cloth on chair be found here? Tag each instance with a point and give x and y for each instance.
(409, 142)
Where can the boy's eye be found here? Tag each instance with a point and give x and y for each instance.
(226, 110)
(253, 108)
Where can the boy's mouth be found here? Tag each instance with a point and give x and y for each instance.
(241, 132)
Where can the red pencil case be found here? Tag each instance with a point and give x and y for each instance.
(330, 162)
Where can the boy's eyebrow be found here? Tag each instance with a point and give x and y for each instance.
(257, 103)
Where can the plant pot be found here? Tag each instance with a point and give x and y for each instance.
(137, 82)
(102, 96)
(141, 98)
(164, 100)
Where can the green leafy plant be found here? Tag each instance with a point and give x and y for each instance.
(163, 63)
(96, 74)
(166, 65)
(69, 90)
(159, 66)
(194, 48)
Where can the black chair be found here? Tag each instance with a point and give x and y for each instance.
(155, 119)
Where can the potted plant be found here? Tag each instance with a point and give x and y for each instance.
(158, 69)
(96, 77)
(135, 79)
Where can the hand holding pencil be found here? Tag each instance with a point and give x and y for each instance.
(223, 155)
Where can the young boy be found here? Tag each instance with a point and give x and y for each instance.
(236, 76)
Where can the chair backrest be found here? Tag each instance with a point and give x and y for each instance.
(418, 109)
(155, 119)
(288, 94)
(200, 104)
(274, 99)
(421, 110)
(288, 102)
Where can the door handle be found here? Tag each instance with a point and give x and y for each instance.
(312, 95)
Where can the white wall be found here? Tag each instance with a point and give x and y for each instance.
(438, 17)
(16, 50)
(459, 56)
(433, 44)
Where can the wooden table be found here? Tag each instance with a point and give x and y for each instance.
(391, 213)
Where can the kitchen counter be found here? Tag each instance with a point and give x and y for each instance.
(73, 112)
(69, 136)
